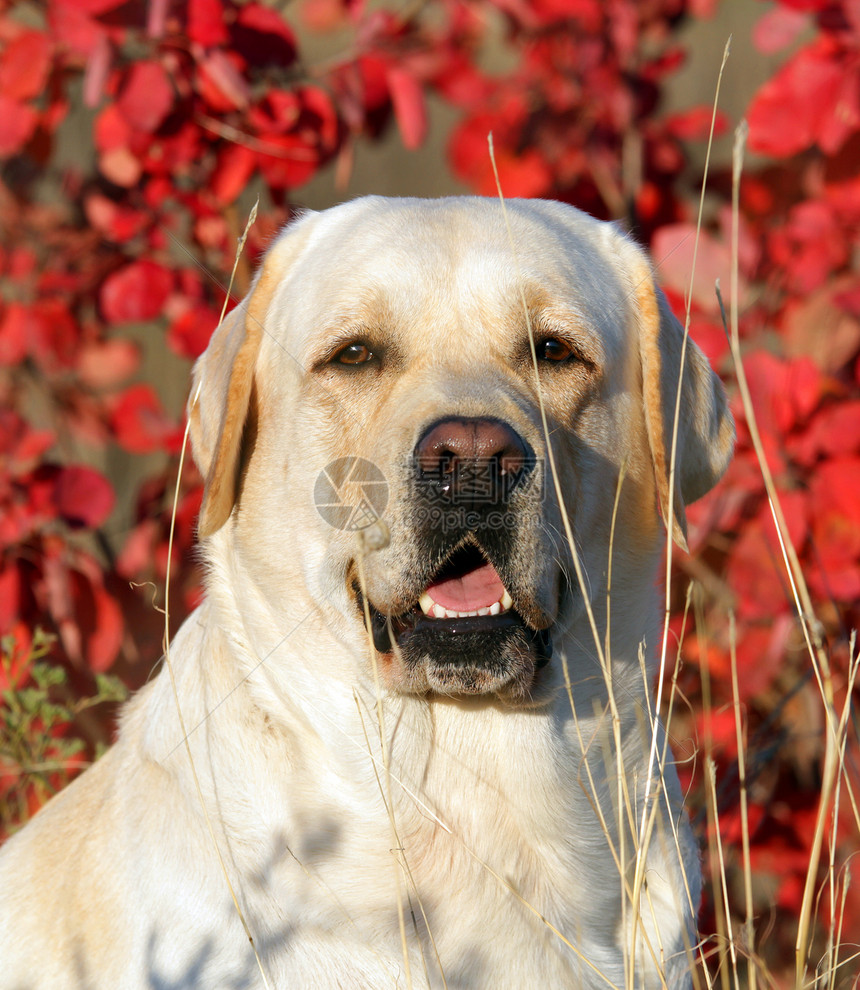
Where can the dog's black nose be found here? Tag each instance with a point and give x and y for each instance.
(472, 459)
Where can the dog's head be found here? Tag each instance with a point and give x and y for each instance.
(421, 406)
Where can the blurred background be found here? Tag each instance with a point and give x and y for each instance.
(135, 138)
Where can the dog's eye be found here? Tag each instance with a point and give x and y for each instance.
(553, 349)
(356, 353)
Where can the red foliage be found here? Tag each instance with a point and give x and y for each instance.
(136, 292)
(194, 103)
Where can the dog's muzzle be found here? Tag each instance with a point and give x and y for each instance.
(465, 633)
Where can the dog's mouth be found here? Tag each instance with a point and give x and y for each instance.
(466, 586)
(464, 634)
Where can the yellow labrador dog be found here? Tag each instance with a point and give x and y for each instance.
(437, 443)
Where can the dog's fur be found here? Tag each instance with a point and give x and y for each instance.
(478, 783)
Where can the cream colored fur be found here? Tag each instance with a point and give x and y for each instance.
(505, 816)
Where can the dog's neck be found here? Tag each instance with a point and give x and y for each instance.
(523, 764)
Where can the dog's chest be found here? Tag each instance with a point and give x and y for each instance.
(489, 870)
(483, 911)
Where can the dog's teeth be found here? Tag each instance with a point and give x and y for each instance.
(436, 611)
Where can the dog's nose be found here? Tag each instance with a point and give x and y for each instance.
(472, 458)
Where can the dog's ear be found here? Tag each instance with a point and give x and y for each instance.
(705, 426)
(220, 404)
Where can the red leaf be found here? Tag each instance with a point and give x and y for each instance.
(16, 328)
(818, 326)
(121, 167)
(410, 109)
(810, 246)
(189, 334)
(834, 431)
(106, 364)
(146, 96)
(322, 115)
(293, 161)
(526, 175)
(848, 298)
(374, 85)
(22, 262)
(836, 513)
(694, 124)
(94, 7)
(278, 112)
(221, 83)
(761, 655)
(211, 231)
(136, 556)
(83, 497)
(462, 82)
(235, 166)
(782, 119)
(784, 393)
(57, 593)
(172, 155)
(673, 247)
(74, 28)
(778, 28)
(97, 616)
(323, 15)
(719, 724)
(10, 604)
(136, 292)
(843, 120)
(111, 129)
(756, 572)
(117, 222)
(704, 9)
(811, 100)
(140, 424)
(17, 124)
(262, 37)
(21, 444)
(206, 23)
(24, 65)
(55, 336)
(159, 190)
(468, 147)
(807, 6)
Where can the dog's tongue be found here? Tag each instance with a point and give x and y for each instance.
(478, 588)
